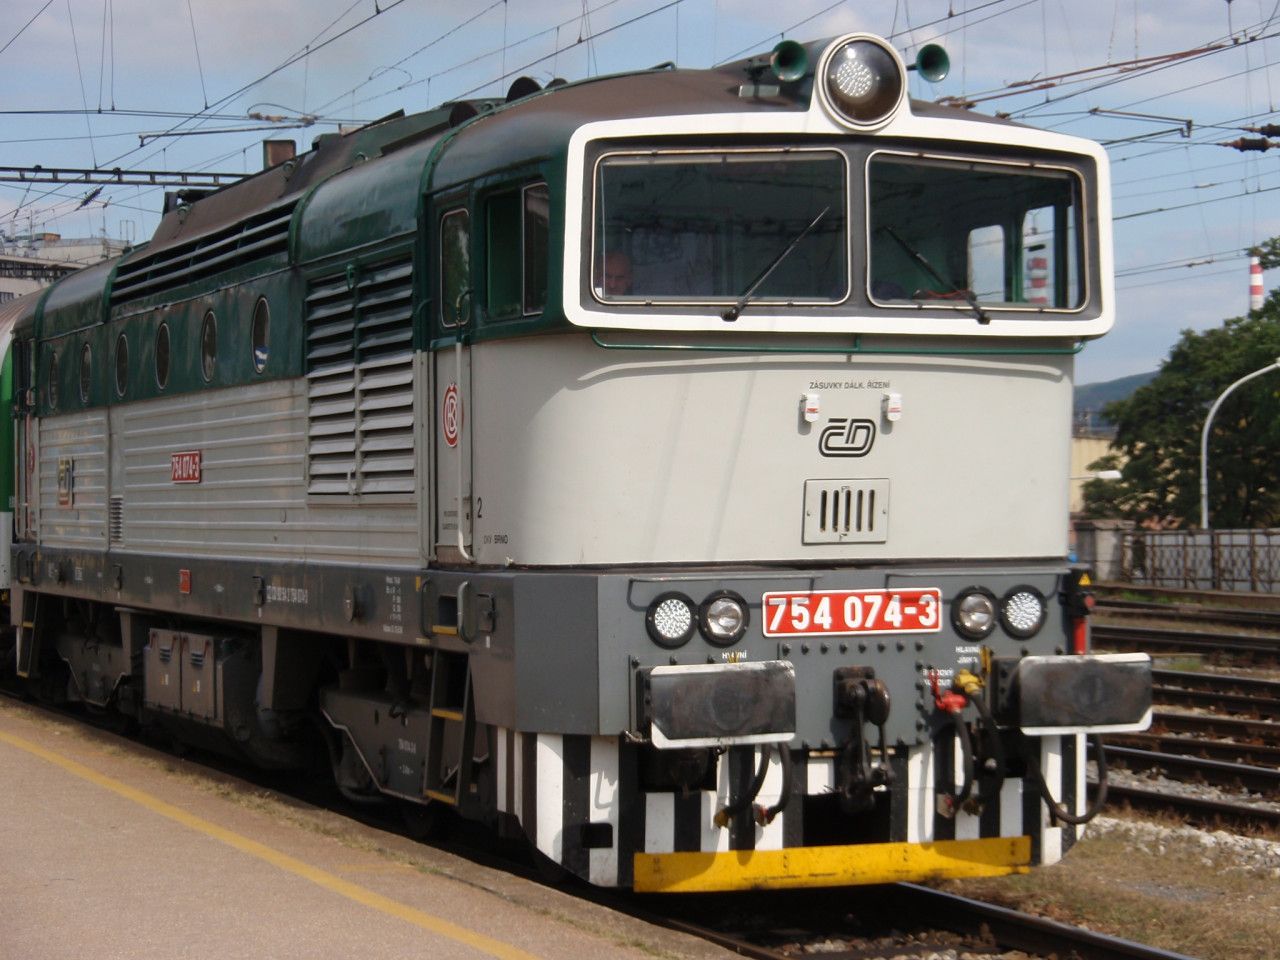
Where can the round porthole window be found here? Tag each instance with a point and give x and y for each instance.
(122, 364)
(261, 325)
(162, 356)
(86, 372)
(208, 345)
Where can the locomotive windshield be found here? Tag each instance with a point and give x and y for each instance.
(998, 235)
(699, 227)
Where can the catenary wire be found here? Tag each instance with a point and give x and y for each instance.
(21, 30)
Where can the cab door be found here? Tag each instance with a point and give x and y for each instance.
(26, 493)
(451, 383)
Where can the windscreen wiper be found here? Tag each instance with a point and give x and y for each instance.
(736, 310)
(919, 258)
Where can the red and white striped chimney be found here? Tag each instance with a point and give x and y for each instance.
(1255, 283)
(1038, 276)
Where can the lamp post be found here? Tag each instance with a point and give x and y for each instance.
(1204, 440)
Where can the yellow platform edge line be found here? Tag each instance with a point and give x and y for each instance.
(322, 878)
(863, 863)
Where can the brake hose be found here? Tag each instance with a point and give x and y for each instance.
(996, 751)
(952, 703)
(966, 751)
(765, 817)
(731, 810)
(1059, 812)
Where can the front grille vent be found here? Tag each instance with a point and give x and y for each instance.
(115, 520)
(846, 511)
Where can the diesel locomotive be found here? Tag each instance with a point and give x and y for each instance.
(668, 467)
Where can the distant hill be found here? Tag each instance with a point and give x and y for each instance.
(1090, 398)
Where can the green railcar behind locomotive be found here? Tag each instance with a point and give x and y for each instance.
(670, 467)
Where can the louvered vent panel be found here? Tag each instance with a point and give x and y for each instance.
(115, 520)
(360, 383)
(261, 236)
(846, 511)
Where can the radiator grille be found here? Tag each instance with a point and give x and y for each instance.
(846, 511)
(251, 240)
(360, 382)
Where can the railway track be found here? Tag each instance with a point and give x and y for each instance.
(1199, 811)
(1264, 619)
(1157, 640)
(1227, 774)
(849, 925)
(1259, 689)
(1257, 754)
(1239, 754)
(1219, 692)
(1211, 726)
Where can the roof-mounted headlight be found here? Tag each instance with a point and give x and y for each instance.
(861, 80)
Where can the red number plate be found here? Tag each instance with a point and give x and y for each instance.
(852, 612)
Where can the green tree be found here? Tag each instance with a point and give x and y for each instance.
(1158, 432)
(1268, 252)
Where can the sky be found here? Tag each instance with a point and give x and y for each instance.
(172, 86)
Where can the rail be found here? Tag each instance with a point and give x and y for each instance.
(929, 921)
(1150, 640)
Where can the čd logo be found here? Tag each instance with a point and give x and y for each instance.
(846, 438)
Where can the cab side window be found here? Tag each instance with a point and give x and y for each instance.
(455, 266)
(516, 252)
(502, 256)
(537, 204)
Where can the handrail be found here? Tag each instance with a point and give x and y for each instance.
(855, 347)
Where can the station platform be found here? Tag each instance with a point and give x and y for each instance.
(113, 850)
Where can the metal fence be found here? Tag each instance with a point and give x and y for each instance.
(1244, 560)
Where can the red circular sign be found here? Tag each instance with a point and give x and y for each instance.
(451, 414)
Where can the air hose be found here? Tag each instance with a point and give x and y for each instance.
(1056, 810)
(958, 797)
(994, 752)
(765, 816)
(951, 703)
(730, 810)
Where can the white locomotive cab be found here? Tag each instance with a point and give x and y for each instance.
(933, 239)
